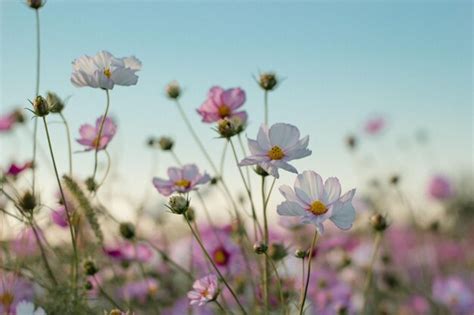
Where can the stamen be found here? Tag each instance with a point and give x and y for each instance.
(224, 111)
(183, 183)
(107, 73)
(275, 153)
(318, 208)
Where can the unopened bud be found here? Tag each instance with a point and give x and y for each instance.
(166, 143)
(90, 268)
(277, 251)
(190, 214)
(88, 286)
(55, 103)
(268, 81)
(40, 106)
(116, 312)
(28, 202)
(394, 179)
(378, 222)
(351, 142)
(299, 253)
(127, 230)
(19, 117)
(35, 4)
(226, 128)
(91, 184)
(260, 171)
(173, 90)
(260, 248)
(178, 204)
(214, 180)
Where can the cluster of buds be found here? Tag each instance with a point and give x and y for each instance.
(127, 230)
(173, 90)
(229, 127)
(178, 204)
(378, 222)
(268, 81)
(55, 103)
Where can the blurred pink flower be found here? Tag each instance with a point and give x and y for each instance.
(90, 134)
(17, 169)
(182, 306)
(139, 290)
(418, 305)
(181, 180)
(7, 122)
(25, 244)
(440, 187)
(221, 104)
(455, 294)
(129, 251)
(13, 290)
(375, 125)
(59, 217)
(275, 147)
(204, 290)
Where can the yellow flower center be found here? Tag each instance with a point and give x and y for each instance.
(152, 289)
(6, 299)
(221, 256)
(318, 208)
(107, 73)
(96, 142)
(275, 153)
(205, 293)
(224, 111)
(184, 183)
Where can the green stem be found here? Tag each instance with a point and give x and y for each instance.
(100, 134)
(106, 295)
(43, 254)
(245, 154)
(35, 128)
(308, 272)
(265, 101)
(280, 290)
(265, 240)
(107, 170)
(68, 133)
(214, 265)
(368, 280)
(221, 168)
(75, 263)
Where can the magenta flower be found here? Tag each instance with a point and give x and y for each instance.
(90, 134)
(204, 290)
(129, 251)
(455, 294)
(13, 290)
(7, 121)
(375, 125)
(181, 180)
(221, 104)
(16, 169)
(440, 187)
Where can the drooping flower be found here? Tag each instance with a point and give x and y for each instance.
(221, 104)
(28, 308)
(375, 125)
(104, 71)
(90, 134)
(13, 290)
(181, 180)
(275, 147)
(455, 294)
(204, 290)
(440, 187)
(316, 202)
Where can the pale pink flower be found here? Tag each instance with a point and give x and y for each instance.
(129, 251)
(90, 134)
(375, 125)
(275, 147)
(181, 180)
(204, 290)
(455, 294)
(13, 290)
(7, 121)
(221, 104)
(440, 187)
(315, 202)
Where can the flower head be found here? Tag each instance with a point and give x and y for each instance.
(454, 293)
(316, 202)
(204, 290)
(7, 122)
(275, 147)
(375, 125)
(13, 290)
(181, 180)
(104, 71)
(139, 290)
(440, 187)
(90, 134)
(222, 104)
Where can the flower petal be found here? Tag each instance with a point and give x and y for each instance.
(284, 135)
(290, 208)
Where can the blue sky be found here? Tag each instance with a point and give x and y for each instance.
(342, 62)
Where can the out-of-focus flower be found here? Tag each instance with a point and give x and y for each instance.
(16, 169)
(204, 290)
(35, 4)
(90, 134)
(375, 125)
(7, 121)
(104, 71)
(128, 251)
(268, 81)
(182, 307)
(181, 180)
(25, 243)
(139, 290)
(221, 104)
(316, 202)
(440, 187)
(13, 290)
(173, 90)
(127, 230)
(275, 147)
(455, 294)
(417, 305)
(28, 308)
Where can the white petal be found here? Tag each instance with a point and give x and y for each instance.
(290, 209)
(283, 165)
(332, 190)
(311, 183)
(124, 76)
(132, 63)
(343, 214)
(255, 148)
(284, 135)
(262, 138)
(290, 195)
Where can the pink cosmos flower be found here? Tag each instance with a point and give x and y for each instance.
(375, 125)
(204, 290)
(181, 180)
(128, 252)
(90, 134)
(440, 187)
(13, 290)
(25, 243)
(17, 169)
(221, 104)
(275, 147)
(455, 294)
(316, 202)
(7, 122)
(181, 306)
(139, 290)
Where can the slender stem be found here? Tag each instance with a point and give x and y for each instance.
(220, 307)
(68, 133)
(265, 101)
(265, 237)
(75, 264)
(221, 167)
(175, 157)
(107, 170)
(35, 128)
(245, 154)
(308, 273)
(43, 254)
(167, 259)
(280, 290)
(100, 134)
(368, 280)
(106, 295)
(214, 265)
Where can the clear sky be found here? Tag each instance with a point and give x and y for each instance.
(343, 61)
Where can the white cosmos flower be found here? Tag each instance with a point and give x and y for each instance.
(104, 71)
(28, 308)
(316, 202)
(275, 147)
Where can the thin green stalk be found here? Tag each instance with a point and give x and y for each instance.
(265, 240)
(221, 165)
(167, 259)
(69, 146)
(245, 154)
(43, 254)
(75, 263)
(265, 101)
(175, 157)
(107, 170)
(214, 265)
(308, 273)
(38, 68)
(106, 295)
(100, 134)
(280, 290)
(368, 280)
(220, 307)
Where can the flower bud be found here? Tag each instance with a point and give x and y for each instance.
(260, 248)
(190, 214)
(27, 202)
(151, 142)
(260, 171)
(88, 286)
(214, 180)
(35, 4)
(378, 222)
(127, 230)
(173, 90)
(226, 128)
(19, 117)
(166, 143)
(299, 253)
(91, 184)
(268, 81)
(55, 103)
(178, 204)
(40, 106)
(394, 179)
(90, 268)
(351, 142)
(277, 251)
